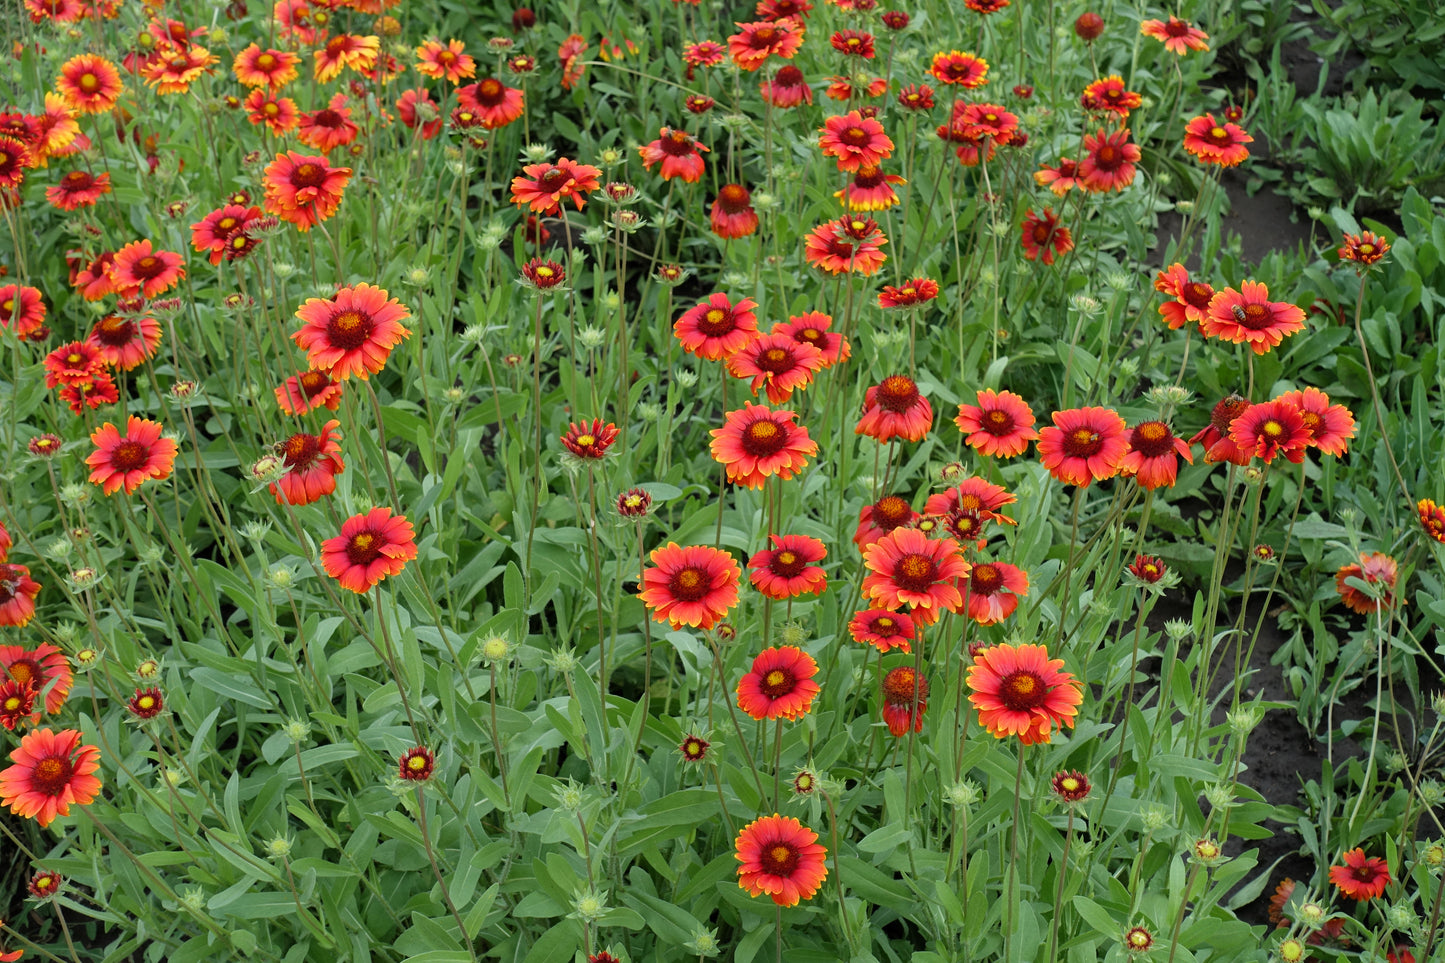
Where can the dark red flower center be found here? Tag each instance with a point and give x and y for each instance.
(1042, 231)
(129, 455)
(1196, 294)
(301, 450)
(716, 322)
(779, 859)
(902, 686)
(179, 63)
(854, 136)
(312, 383)
(763, 37)
(689, 584)
(996, 422)
(676, 143)
(553, 180)
(733, 198)
(308, 175)
(789, 76)
(348, 330)
(1021, 691)
(149, 266)
(915, 572)
(777, 683)
(891, 511)
(89, 82)
(78, 180)
(810, 336)
(776, 360)
(1108, 157)
(337, 45)
(1224, 413)
(764, 437)
(1083, 443)
(446, 57)
(115, 331)
(897, 394)
(986, 579)
(868, 177)
(787, 563)
(1254, 316)
(1313, 422)
(51, 775)
(1365, 873)
(885, 623)
(226, 225)
(265, 61)
(1176, 28)
(1152, 439)
(327, 117)
(490, 92)
(840, 248)
(1220, 137)
(364, 548)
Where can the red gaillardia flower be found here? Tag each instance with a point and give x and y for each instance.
(811, 328)
(1377, 570)
(905, 699)
(895, 408)
(1041, 233)
(543, 275)
(1215, 437)
(1271, 429)
(279, 114)
(89, 84)
(328, 128)
(1154, 453)
(52, 771)
(1362, 877)
(993, 591)
(451, 61)
(911, 292)
(1109, 95)
(778, 362)
(755, 42)
(22, 308)
(17, 595)
(14, 159)
(78, 189)
(71, 364)
(496, 104)
(17, 704)
(694, 748)
(780, 857)
(882, 517)
(346, 51)
(705, 53)
(303, 190)
(1060, 179)
(717, 327)
(268, 68)
(1248, 316)
(124, 342)
(916, 97)
(906, 567)
(124, 461)
(870, 190)
(1000, 426)
(140, 270)
(732, 214)
(1191, 298)
(854, 43)
(787, 570)
(1071, 786)
(1109, 165)
(1084, 445)
(1020, 691)
(1365, 248)
(146, 703)
(172, 70)
(369, 548)
(882, 629)
(1147, 568)
(956, 67)
(1216, 143)
(677, 152)
(543, 186)
(787, 88)
(849, 244)
(351, 333)
(416, 764)
(973, 495)
(757, 442)
(855, 141)
(1432, 519)
(1330, 426)
(780, 685)
(1177, 36)
(312, 464)
(307, 391)
(693, 586)
(211, 233)
(590, 441)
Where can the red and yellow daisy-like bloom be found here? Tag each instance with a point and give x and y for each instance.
(1330, 426)
(780, 684)
(956, 67)
(124, 461)
(755, 42)
(781, 858)
(21, 308)
(97, 392)
(789, 568)
(451, 61)
(695, 586)
(17, 705)
(882, 517)
(1001, 425)
(89, 84)
(705, 53)
(1215, 437)
(993, 591)
(980, 122)
(14, 159)
(1020, 691)
(268, 68)
(1191, 298)
(906, 567)
(125, 342)
(905, 699)
(1377, 570)
(916, 97)
(416, 764)
(211, 234)
(793, 10)
(17, 595)
(855, 88)
(778, 363)
(909, 293)
(1361, 877)
(328, 128)
(882, 629)
(756, 443)
(716, 328)
(569, 53)
(1044, 238)
(308, 391)
(312, 464)
(351, 333)
(677, 152)
(1271, 429)
(72, 363)
(847, 245)
(542, 187)
(589, 441)
(870, 190)
(140, 270)
(1365, 248)
(1432, 519)
(1216, 143)
(496, 104)
(895, 408)
(1084, 445)
(1177, 36)
(1060, 179)
(1109, 164)
(172, 70)
(812, 328)
(854, 141)
(732, 215)
(346, 51)
(854, 43)
(972, 495)
(78, 189)
(1153, 456)
(369, 548)
(57, 134)
(303, 190)
(1108, 95)
(1248, 316)
(51, 772)
(786, 88)
(278, 114)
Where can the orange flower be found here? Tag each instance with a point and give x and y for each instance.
(494, 103)
(716, 328)
(369, 548)
(778, 362)
(1178, 36)
(271, 68)
(788, 569)
(732, 214)
(956, 67)
(1377, 570)
(850, 244)
(693, 586)
(346, 51)
(312, 464)
(855, 141)
(17, 704)
(279, 114)
(1109, 165)
(786, 88)
(1216, 143)
(882, 629)
(21, 307)
(1330, 426)
(781, 857)
(51, 771)
(993, 591)
(173, 70)
(780, 684)
(1248, 316)
(905, 699)
(1109, 95)
(906, 567)
(757, 443)
(303, 190)
(812, 328)
(755, 42)
(895, 408)
(911, 292)
(1362, 877)
(1191, 298)
(678, 154)
(89, 84)
(1153, 456)
(870, 190)
(1000, 426)
(72, 363)
(1432, 519)
(328, 128)
(140, 270)
(451, 61)
(124, 461)
(125, 342)
(77, 189)
(351, 333)
(882, 517)
(1021, 691)
(543, 186)
(211, 233)
(1365, 248)
(1060, 179)
(1042, 234)
(1084, 445)
(1271, 429)
(1218, 445)
(590, 441)
(17, 596)
(308, 391)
